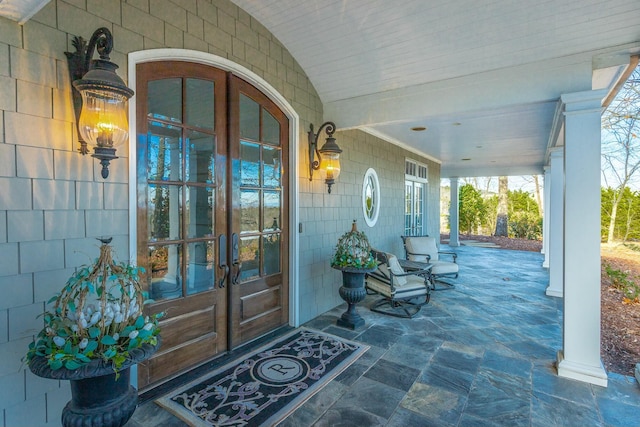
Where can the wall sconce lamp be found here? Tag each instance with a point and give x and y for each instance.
(99, 98)
(328, 156)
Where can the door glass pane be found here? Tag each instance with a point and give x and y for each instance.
(249, 257)
(271, 244)
(165, 272)
(200, 157)
(249, 211)
(164, 212)
(164, 152)
(200, 271)
(199, 108)
(249, 118)
(165, 99)
(199, 212)
(419, 200)
(271, 211)
(408, 195)
(271, 166)
(270, 128)
(249, 164)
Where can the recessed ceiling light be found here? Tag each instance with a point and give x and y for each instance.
(466, 159)
(418, 128)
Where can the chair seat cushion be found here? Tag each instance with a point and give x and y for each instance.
(444, 267)
(414, 287)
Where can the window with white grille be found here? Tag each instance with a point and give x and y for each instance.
(416, 171)
(416, 176)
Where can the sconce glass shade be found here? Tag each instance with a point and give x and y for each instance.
(330, 160)
(330, 166)
(103, 120)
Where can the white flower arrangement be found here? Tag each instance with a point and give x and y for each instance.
(98, 314)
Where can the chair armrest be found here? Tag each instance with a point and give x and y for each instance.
(453, 254)
(415, 253)
(426, 271)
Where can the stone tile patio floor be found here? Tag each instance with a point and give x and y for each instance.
(482, 354)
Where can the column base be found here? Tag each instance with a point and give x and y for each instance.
(577, 371)
(554, 292)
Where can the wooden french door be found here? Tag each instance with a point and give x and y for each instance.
(211, 212)
(258, 135)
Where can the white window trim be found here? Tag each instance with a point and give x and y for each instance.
(371, 174)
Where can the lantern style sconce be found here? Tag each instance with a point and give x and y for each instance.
(328, 156)
(99, 98)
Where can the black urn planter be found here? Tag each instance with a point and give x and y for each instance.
(98, 398)
(352, 292)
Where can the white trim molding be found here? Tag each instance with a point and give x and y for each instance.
(371, 193)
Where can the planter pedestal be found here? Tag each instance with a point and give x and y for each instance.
(101, 401)
(98, 399)
(352, 292)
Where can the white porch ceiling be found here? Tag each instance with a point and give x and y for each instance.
(484, 76)
(21, 10)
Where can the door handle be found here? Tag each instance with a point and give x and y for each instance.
(235, 257)
(222, 259)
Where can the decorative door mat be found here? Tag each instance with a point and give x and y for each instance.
(268, 384)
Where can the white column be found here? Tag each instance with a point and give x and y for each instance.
(545, 216)
(556, 222)
(580, 357)
(454, 225)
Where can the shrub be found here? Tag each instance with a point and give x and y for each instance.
(620, 280)
(525, 225)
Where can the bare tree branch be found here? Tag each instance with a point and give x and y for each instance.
(621, 142)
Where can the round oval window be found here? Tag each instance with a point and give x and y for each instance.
(370, 197)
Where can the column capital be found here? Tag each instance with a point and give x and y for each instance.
(586, 100)
(556, 152)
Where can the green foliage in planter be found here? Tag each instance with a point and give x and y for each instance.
(98, 314)
(353, 250)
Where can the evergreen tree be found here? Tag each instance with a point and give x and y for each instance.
(471, 208)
